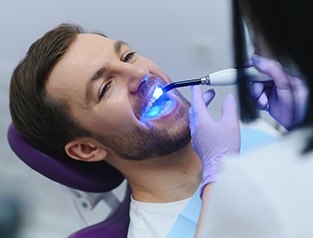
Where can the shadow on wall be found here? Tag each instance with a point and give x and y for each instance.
(5, 72)
(10, 216)
(11, 209)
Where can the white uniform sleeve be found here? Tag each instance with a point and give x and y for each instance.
(242, 207)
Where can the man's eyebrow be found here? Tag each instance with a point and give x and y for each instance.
(118, 46)
(91, 82)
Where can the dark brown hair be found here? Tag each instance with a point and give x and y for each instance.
(42, 120)
(287, 28)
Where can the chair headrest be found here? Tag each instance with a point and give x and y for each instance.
(85, 176)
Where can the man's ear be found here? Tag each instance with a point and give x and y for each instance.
(86, 149)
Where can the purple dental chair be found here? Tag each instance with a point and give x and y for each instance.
(86, 177)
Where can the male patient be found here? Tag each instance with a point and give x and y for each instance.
(86, 97)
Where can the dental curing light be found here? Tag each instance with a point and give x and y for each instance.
(160, 104)
(225, 77)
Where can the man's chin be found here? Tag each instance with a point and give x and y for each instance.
(155, 148)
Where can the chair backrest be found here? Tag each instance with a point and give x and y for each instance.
(89, 177)
(115, 226)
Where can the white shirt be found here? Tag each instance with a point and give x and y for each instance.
(266, 193)
(153, 220)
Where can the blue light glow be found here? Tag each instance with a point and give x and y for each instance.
(159, 105)
(157, 92)
(153, 112)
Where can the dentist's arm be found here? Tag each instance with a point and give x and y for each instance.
(284, 98)
(212, 139)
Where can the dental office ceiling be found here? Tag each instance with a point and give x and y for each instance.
(185, 38)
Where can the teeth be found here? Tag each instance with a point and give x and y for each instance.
(158, 112)
(150, 103)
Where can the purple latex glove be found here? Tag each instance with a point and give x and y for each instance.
(284, 97)
(213, 139)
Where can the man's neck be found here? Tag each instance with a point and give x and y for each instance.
(169, 178)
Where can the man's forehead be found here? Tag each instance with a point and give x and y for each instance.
(93, 38)
(86, 47)
(101, 38)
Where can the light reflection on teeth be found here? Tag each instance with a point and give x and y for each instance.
(150, 103)
(157, 105)
(159, 109)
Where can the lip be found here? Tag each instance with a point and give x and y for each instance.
(161, 108)
(145, 91)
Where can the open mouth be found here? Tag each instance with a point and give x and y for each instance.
(158, 105)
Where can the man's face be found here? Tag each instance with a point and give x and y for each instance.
(108, 88)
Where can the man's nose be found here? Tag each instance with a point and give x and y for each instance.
(135, 75)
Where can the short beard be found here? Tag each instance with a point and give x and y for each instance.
(141, 144)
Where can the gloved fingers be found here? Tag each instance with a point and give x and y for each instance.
(248, 63)
(208, 96)
(256, 89)
(262, 102)
(197, 102)
(229, 110)
(260, 92)
(273, 69)
(199, 116)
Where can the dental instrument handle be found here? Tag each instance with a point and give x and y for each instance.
(225, 77)
(182, 83)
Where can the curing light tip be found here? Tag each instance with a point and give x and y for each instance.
(157, 93)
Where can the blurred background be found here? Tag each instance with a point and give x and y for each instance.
(186, 38)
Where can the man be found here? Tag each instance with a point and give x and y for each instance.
(87, 97)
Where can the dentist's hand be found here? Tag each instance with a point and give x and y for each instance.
(284, 97)
(212, 139)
